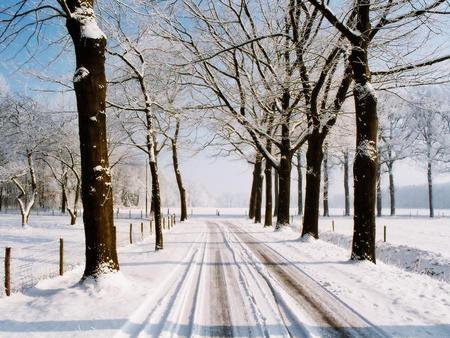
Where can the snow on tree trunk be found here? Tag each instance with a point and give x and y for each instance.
(90, 90)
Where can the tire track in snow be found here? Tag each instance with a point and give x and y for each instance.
(333, 317)
(219, 304)
(262, 300)
(139, 320)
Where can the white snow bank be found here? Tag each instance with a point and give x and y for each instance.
(410, 259)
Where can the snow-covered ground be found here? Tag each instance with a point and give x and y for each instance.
(224, 276)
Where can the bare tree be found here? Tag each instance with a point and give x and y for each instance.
(365, 162)
(90, 89)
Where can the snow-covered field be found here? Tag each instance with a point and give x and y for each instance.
(225, 276)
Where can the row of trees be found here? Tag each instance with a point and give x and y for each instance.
(273, 76)
(268, 77)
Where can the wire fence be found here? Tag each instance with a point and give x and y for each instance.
(33, 263)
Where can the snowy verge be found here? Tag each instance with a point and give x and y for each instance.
(407, 258)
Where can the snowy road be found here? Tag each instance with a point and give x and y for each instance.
(230, 284)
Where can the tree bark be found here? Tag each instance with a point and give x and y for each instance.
(63, 192)
(268, 212)
(156, 194)
(181, 189)
(277, 192)
(252, 204)
(90, 90)
(1, 197)
(391, 187)
(284, 195)
(326, 211)
(314, 156)
(259, 187)
(366, 156)
(300, 182)
(379, 196)
(430, 188)
(346, 185)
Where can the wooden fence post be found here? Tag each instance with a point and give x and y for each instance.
(332, 224)
(142, 230)
(174, 219)
(131, 233)
(384, 233)
(8, 271)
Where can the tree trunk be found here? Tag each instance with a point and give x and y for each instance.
(326, 211)
(300, 182)
(90, 90)
(74, 212)
(366, 156)
(63, 199)
(268, 212)
(314, 156)
(284, 194)
(391, 187)
(63, 191)
(156, 195)
(252, 205)
(182, 191)
(259, 187)
(346, 187)
(430, 188)
(1, 197)
(379, 196)
(277, 192)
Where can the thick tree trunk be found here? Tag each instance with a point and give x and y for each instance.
(277, 192)
(90, 90)
(346, 185)
(300, 182)
(326, 211)
(284, 195)
(182, 191)
(314, 156)
(259, 187)
(379, 196)
(391, 187)
(366, 156)
(430, 188)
